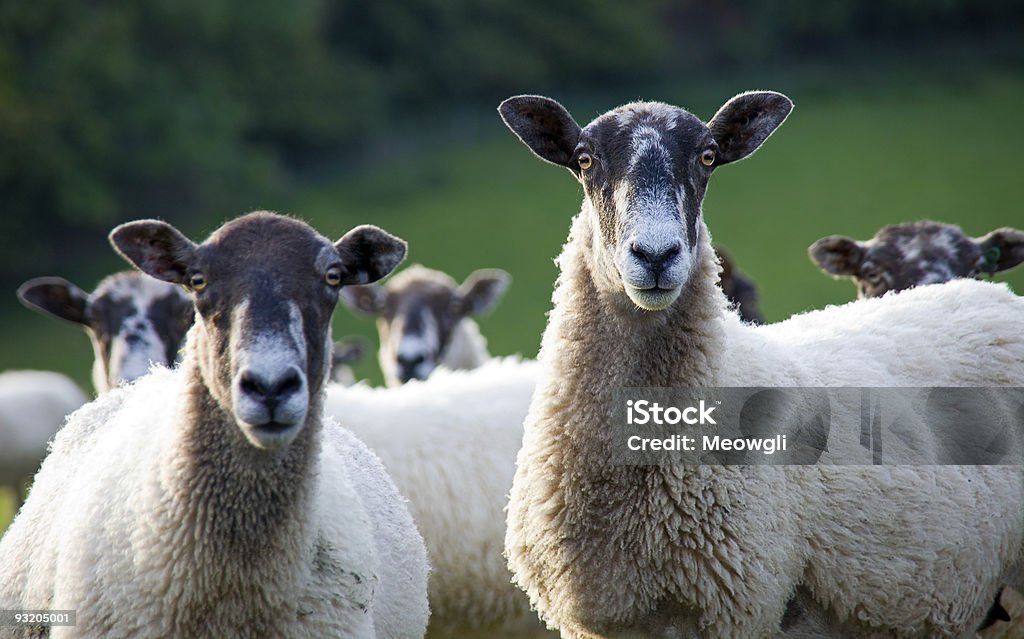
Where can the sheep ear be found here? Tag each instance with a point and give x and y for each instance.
(743, 123)
(369, 253)
(543, 125)
(1002, 249)
(56, 297)
(482, 290)
(349, 350)
(155, 248)
(369, 300)
(837, 255)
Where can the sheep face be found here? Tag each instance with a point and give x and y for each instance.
(133, 320)
(264, 287)
(901, 256)
(417, 313)
(644, 168)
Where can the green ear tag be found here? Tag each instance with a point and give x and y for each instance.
(992, 258)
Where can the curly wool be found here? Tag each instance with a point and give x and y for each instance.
(145, 538)
(449, 443)
(698, 551)
(33, 406)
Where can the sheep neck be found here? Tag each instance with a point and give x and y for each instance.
(598, 341)
(240, 502)
(595, 343)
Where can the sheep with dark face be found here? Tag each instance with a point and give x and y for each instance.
(133, 320)
(424, 320)
(901, 256)
(607, 550)
(216, 499)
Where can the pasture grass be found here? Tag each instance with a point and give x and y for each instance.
(6, 509)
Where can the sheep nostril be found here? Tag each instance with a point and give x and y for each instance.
(656, 260)
(672, 252)
(250, 384)
(639, 252)
(291, 383)
(270, 392)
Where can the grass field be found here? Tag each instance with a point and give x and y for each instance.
(845, 162)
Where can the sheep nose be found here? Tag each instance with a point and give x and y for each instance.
(410, 361)
(270, 391)
(409, 366)
(656, 259)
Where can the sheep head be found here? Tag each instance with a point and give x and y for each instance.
(901, 256)
(264, 287)
(417, 314)
(645, 168)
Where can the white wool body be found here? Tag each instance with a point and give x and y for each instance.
(701, 551)
(108, 533)
(449, 442)
(33, 406)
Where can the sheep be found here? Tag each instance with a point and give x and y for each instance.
(739, 289)
(901, 256)
(33, 405)
(424, 320)
(672, 550)
(347, 351)
(216, 499)
(133, 321)
(449, 442)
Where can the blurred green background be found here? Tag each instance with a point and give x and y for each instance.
(340, 113)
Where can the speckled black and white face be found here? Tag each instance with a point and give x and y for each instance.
(418, 312)
(901, 256)
(264, 288)
(642, 172)
(645, 168)
(133, 320)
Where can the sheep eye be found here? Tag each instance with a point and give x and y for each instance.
(197, 282)
(333, 276)
(707, 158)
(585, 160)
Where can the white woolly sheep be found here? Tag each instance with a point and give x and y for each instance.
(449, 443)
(705, 551)
(901, 256)
(217, 499)
(33, 406)
(424, 319)
(133, 320)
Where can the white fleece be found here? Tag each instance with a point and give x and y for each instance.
(104, 534)
(703, 551)
(449, 443)
(33, 406)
